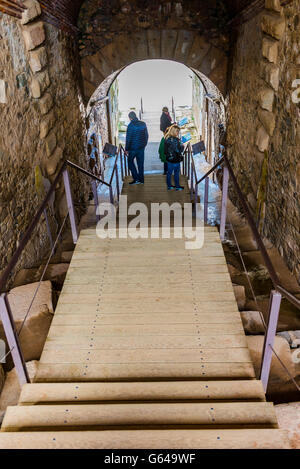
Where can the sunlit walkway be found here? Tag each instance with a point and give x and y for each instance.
(152, 161)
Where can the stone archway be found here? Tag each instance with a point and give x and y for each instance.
(213, 110)
(186, 47)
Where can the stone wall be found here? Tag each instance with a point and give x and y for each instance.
(209, 113)
(42, 123)
(263, 123)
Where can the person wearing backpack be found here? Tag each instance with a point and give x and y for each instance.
(173, 149)
(136, 141)
(161, 152)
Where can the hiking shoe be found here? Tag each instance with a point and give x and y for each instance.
(134, 182)
(139, 182)
(171, 188)
(180, 188)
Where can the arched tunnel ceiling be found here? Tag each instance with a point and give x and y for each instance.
(115, 33)
(186, 47)
(64, 13)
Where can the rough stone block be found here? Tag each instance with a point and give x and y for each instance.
(53, 162)
(47, 124)
(273, 5)
(36, 326)
(38, 59)
(46, 103)
(270, 73)
(268, 120)
(270, 49)
(56, 273)
(252, 322)
(3, 97)
(240, 296)
(262, 139)
(50, 143)
(34, 35)
(39, 84)
(273, 25)
(12, 389)
(288, 416)
(282, 348)
(33, 11)
(266, 98)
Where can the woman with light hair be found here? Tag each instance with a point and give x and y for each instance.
(173, 149)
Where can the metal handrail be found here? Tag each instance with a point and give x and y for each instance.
(289, 296)
(219, 163)
(253, 227)
(12, 263)
(273, 275)
(87, 173)
(279, 291)
(5, 310)
(23, 242)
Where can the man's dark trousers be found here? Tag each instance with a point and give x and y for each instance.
(137, 173)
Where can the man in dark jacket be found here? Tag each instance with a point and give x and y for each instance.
(136, 141)
(165, 119)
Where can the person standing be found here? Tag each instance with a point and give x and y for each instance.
(173, 150)
(165, 119)
(136, 142)
(161, 152)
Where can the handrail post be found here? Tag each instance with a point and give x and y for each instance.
(224, 201)
(13, 340)
(206, 190)
(121, 160)
(70, 205)
(274, 307)
(117, 183)
(195, 198)
(111, 196)
(126, 166)
(96, 200)
(192, 183)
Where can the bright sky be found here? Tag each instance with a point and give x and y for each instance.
(156, 81)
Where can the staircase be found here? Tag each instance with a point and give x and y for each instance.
(146, 350)
(152, 161)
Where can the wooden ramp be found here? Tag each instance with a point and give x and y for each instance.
(146, 350)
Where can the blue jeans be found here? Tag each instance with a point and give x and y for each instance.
(176, 168)
(137, 173)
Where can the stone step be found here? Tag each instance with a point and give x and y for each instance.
(152, 439)
(128, 415)
(61, 393)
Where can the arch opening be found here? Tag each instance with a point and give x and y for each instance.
(204, 111)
